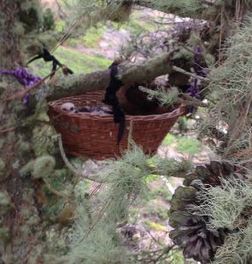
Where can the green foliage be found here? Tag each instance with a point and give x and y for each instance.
(97, 246)
(172, 167)
(127, 177)
(48, 20)
(43, 167)
(94, 239)
(31, 15)
(237, 248)
(231, 87)
(224, 204)
(164, 96)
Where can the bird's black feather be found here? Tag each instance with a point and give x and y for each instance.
(47, 56)
(111, 99)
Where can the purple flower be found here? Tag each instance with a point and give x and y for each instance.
(197, 61)
(23, 77)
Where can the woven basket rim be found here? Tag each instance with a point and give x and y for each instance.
(178, 111)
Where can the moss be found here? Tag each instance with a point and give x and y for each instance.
(2, 168)
(5, 203)
(43, 167)
(60, 179)
(19, 29)
(24, 146)
(183, 54)
(30, 15)
(27, 168)
(43, 140)
(53, 209)
(4, 234)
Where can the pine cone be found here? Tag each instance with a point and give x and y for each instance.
(212, 173)
(191, 232)
(197, 241)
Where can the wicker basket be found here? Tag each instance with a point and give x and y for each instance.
(95, 136)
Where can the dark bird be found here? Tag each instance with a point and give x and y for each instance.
(111, 99)
(47, 56)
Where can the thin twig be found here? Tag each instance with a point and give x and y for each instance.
(130, 139)
(178, 69)
(77, 172)
(6, 130)
(191, 101)
(100, 215)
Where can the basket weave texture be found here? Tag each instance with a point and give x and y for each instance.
(95, 136)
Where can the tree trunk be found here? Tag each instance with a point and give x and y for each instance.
(9, 41)
(22, 222)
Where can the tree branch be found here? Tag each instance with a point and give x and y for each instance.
(178, 69)
(128, 73)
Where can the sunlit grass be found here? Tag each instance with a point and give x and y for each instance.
(183, 144)
(188, 145)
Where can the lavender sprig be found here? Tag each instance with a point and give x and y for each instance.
(23, 77)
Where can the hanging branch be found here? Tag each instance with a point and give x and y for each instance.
(128, 74)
